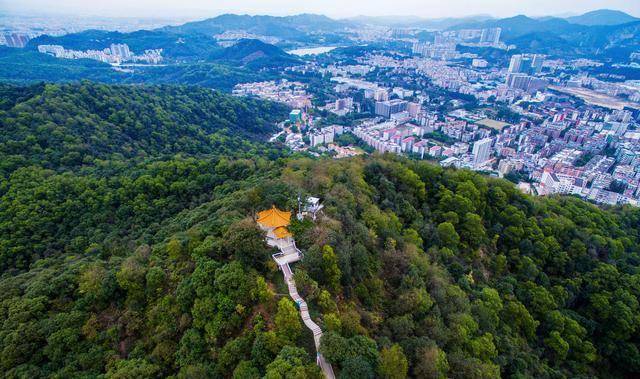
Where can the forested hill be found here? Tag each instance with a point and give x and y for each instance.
(72, 125)
(415, 271)
(149, 268)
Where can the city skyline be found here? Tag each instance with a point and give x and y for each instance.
(199, 9)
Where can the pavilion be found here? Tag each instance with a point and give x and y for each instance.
(275, 223)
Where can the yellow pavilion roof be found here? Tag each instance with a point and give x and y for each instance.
(281, 232)
(274, 218)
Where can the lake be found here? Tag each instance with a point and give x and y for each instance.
(312, 50)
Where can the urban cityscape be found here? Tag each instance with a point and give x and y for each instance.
(557, 133)
(559, 128)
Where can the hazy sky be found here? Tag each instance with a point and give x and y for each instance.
(334, 8)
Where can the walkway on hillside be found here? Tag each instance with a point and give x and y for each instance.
(289, 254)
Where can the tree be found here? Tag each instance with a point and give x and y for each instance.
(447, 235)
(520, 318)
(365, 347)
(192, 348)
(483, 348)
(474, 368)
(265, 348)
(356, 368)
(133, 368)
(331, 269)
(175, 249)
(90, 282)
(155, 279)
(557, 344)
(326, 302)
(431, 363)
(473, 230)
(292, 362)
(333, 347)
(393, 363)
(244, 370)
(288, 326)
(262, 292)
(332, 322)
(246, 243)
(131, 277)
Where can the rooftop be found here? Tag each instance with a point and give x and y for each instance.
(274, 218)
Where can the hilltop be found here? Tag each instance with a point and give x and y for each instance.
(254, 53)
(602, 17)
(288, 28)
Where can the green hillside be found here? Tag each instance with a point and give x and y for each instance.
(141, 258)
(175, 46)
(23, 66)
(255, 54)
(73, 125)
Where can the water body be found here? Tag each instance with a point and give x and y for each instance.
(312, 50)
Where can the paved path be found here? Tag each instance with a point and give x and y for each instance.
(290, 254)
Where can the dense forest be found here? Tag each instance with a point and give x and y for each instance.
(73, 125)
(128, 250)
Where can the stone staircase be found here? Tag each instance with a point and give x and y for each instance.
(304, 312)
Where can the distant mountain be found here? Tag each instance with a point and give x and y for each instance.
(556, 36)
(602, 17)
(595, 18)
(385, 20)
(547, 43)
(293, 28)
(514, 27)
(175, 45)
(254, 53)
(419, 22)
(315, 23)
(194, 41)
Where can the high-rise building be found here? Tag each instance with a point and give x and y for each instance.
(121, 50)
(345, 103)
(490, 36)
(442, 48)
(526, 82)
(514, 64)
(536, 84)
(413, 109)
(380, 94)
(536, 63)
(518, 81)
(526, 64)
(16, 39)
(481, 151)
(295, 116)
(387, 108)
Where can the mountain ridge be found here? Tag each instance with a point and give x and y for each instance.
(538, 35)
(293, 27)
(602, 17)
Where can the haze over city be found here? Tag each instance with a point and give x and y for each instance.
(333, 8)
